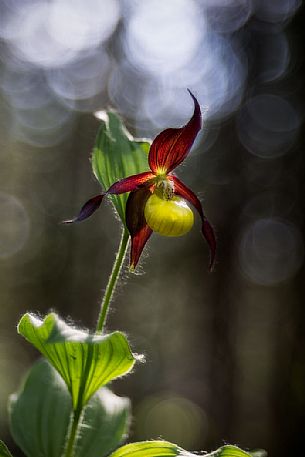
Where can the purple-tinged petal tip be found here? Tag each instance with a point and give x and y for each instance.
(87, 209)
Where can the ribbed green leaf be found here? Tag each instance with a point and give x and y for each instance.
(229, 451)
(85, 362)
(104, 424)
(116, 155)
(4, 452)
(150, 449)
(41, 411)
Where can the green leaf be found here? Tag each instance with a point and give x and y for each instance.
(40, 415)
(116, 155)
(104, 424)
(4, 452)
(40, 412)
(150, 449)
(229, 451)
(86, 362)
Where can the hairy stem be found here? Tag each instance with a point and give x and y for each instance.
(113, 278)
(80, 405)
(74, 427)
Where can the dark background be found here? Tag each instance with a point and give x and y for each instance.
(224, 350)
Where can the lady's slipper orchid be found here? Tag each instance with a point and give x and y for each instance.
(157, 199)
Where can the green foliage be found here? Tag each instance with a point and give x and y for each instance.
(149, 449)
(62, 408)
(40, 414)
(86, 362)
(4, 452)
(116, 155)
(166, 449)
(229, 451)
(104, 424)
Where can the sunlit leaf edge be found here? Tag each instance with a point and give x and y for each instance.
(72, 351)
(229, 450)
(159, 448)
(154, 448)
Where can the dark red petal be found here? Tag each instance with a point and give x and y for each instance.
(207, 230)
(171, 146)
(136, 223)
(131, 183)
(89, 208)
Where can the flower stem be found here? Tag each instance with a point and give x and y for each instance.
(74, 427)
(113, 278)
(80, 405)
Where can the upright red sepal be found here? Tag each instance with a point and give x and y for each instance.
(171, 146)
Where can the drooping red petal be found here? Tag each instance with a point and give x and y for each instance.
(131, 183)
(207, 230)
(136, 223)
(87, 209)
(171, 146)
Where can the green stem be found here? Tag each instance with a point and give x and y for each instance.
(112, 281)
(74, 427)
(79, 406)
(113, 278)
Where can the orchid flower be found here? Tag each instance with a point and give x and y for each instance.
(158, 200)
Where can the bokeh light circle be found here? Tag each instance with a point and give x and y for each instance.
(90, 22)
(268, 126)
(226, 16)
(270, 251)
(14, 227)
(40, 33)
(275, 11)
(175, 418)
(161, 38)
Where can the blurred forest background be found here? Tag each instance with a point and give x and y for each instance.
(224, 351)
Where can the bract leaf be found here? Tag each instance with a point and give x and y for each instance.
(116, 155)
(150, 449)
(40, 415)
(40, 412)
(229, 450)
(86, 362)
(4, 452)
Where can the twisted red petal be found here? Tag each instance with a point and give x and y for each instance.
(136, 223)
(87, 209)
(131, 183)
(171, 146)
(207, 230)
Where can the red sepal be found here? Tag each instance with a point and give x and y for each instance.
(131, 183)
(136, 223)
(207, 230)
(171, 146)
(87, 209)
